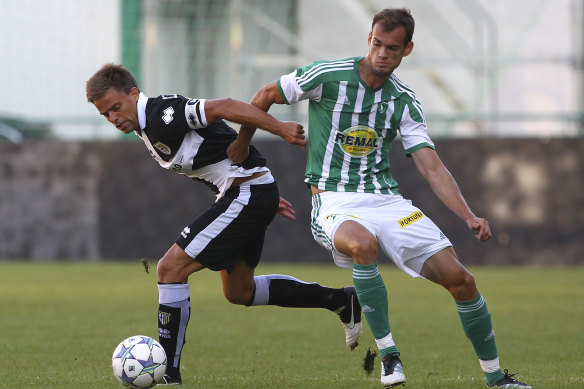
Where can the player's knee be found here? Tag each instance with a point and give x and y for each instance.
(363, 249)
(464, 288)
(164, 271)
(169, 272)
(176, 266)
(239, 296)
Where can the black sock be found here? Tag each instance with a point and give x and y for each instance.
(286, 291)
(173, 319)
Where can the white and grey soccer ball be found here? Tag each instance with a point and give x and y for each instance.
(139, 362)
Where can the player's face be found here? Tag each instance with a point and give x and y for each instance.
(386, 49)
(119, 108)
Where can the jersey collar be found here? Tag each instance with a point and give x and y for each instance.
(141, 106)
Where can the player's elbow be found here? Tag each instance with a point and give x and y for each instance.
(266, 96)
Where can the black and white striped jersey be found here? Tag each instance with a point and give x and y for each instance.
(175, 131)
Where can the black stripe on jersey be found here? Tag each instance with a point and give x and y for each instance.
(217, 137)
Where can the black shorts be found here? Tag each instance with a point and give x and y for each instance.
(233, 229)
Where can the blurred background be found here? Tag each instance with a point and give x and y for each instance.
(501, 83)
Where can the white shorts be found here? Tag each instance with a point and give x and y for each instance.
(405, 234)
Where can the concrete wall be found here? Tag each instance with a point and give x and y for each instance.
(111, 200)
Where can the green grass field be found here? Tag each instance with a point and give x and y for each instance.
(60, 322)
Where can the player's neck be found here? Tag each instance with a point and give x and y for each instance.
(373, 79)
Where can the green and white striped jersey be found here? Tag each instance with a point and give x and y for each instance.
(351, 126)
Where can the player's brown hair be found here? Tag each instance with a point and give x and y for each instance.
(110, 75)
(391, 18)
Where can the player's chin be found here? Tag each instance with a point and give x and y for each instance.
(126, 129)
(383, 72)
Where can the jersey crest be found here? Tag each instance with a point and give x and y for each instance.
(162, 148)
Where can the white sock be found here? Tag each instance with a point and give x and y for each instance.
(490, 366)
(385, 342)
(173, 293)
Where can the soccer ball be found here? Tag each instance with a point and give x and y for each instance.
(139, 362)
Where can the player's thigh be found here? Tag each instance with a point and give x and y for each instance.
(354, 239)
(340, 223)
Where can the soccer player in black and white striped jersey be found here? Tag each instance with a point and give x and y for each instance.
(190, 137)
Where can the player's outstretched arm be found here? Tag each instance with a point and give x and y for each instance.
(246, 114)
(445, 187)
(264, 98)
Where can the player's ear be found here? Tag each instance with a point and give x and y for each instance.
(134, 92)
(409, 48)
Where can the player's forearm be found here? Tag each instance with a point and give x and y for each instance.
(441, 181)
(447, 190)
(245, 114)
(246, 133)
(263, 99)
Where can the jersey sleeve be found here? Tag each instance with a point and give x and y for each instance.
(195, 113)
(413, 129)
(174, 115)
(293, 90)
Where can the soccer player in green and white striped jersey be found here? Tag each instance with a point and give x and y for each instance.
(356, 108)
(361, 123)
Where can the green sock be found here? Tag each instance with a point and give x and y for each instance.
(476, 322)
(493, 378)
(372, 296)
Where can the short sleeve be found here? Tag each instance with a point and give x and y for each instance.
(414, 132)
(291, 91)
(195, 113)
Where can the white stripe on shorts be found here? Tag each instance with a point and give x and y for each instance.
(217, 226)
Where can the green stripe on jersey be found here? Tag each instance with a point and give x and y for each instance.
(351, 127)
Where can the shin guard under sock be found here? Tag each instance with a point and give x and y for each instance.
(476, 322)
(372, 295)
(174, 312)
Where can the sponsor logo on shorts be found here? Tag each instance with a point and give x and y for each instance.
(164, 333)
(406, 221)
(333, 216)
(185, 232)
(367, 308)
(163, 317)
(358, 141)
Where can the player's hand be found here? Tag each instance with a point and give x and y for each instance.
(481, 226)
(285, 209)
(237, 152)
(293, 133)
